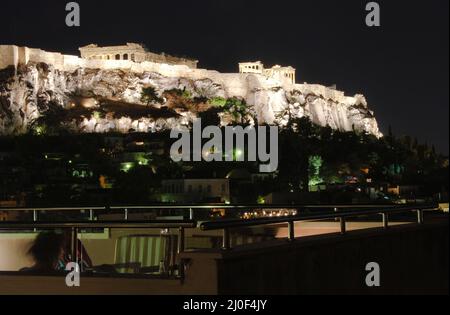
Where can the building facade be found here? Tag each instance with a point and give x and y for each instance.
(196, 190)
(132, 52)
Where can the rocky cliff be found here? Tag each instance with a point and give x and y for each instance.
(37, 96)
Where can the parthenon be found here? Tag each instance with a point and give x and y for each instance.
(133, 52)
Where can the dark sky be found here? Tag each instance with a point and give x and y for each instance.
(402, 67)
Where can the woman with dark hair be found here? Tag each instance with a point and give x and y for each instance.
(47, 251)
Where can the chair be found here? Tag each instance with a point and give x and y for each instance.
(146, 250)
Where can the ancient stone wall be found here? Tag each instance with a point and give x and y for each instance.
(9, 56)
(321, 90)
(133, 52)
(236, 84)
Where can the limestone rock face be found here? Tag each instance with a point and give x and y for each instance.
(96, 100)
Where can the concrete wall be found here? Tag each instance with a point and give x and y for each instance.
(413, 260)
(13, 253)
(25, 285)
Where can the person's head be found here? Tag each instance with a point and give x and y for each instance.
(47, 249)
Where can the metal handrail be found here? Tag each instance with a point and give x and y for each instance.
(231, 223)
(168, 224)
(191, 208)
(226, 225)
(54, 209)
(199, 207)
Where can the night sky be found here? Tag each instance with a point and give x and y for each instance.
(402, 67)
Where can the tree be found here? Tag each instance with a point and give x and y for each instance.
(315, 167)
(298, 141)
(51, 121)
(149, 96)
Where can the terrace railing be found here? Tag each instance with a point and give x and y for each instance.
(192, 209)
(304, 213)
(383, 211)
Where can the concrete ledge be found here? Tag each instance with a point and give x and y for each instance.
(19, 284)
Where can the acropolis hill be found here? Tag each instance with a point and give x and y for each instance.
(101, 91)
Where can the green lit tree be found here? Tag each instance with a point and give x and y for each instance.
(315, 167)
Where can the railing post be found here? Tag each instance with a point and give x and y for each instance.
(181, 240)
(343, 227)
(385, 220)
(35, 219)
(291, 231)
(91, 215)
(191, 214)
(74, 245)
(226, 244)
(420, 216)
(126, 214)
(181, 269)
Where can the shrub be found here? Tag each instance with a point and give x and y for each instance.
(181, 93)
(218, 102)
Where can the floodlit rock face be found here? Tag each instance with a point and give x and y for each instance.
(104, 100)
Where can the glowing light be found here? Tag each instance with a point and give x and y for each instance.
(126, 167)
(261, 201)
(142, 161)
(96, 115)
(40, 130)
(268, 213)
